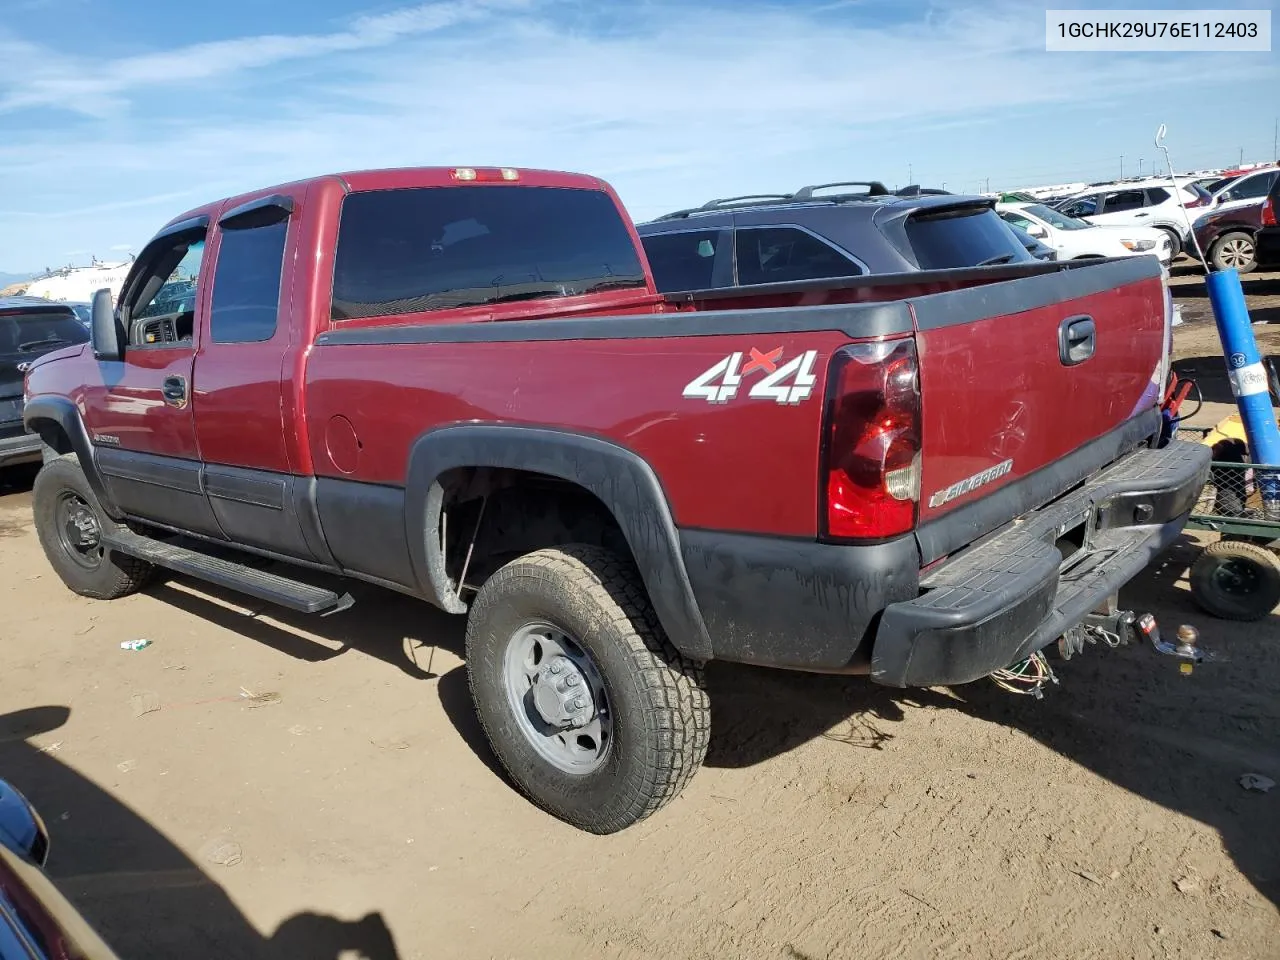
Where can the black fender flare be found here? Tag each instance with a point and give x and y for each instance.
(620, 479)
(64, 414)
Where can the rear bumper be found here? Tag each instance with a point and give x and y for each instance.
(1012, 593)
(24, 448)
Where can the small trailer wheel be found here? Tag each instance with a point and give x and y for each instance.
(1236, 580)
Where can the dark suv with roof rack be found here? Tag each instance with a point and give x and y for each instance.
(29, 327)
(813, 234)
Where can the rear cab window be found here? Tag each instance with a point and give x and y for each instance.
(969, 237)
(422, 249)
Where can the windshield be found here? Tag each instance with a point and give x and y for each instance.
(1056, 218)
(39, 331)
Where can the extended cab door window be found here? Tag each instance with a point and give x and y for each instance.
(246, 281)
(783, 254)
(438, 248)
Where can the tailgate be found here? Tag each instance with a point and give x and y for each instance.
(1016, 375)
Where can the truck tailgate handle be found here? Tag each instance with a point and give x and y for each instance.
(1077, 338)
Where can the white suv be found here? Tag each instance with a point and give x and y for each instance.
(1245, 190)
(1142, 203)
(1074, 239)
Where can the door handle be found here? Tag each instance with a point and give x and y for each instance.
(174, 391)
(1142, 214)
(1077, 339)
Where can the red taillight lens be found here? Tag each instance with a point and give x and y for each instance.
(1197, 202)
(871, 463)
(1269, 212)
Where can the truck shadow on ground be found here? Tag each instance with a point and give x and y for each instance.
(142, 894)
(1127, 715)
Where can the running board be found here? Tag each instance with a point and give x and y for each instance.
(226, 573)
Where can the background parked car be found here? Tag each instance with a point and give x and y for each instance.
(29, 328)
(1246, 190)
(1227, 237)
(813, 234)
(1267, 240)
(1074, 239)
(1143, 203)
(1036, 247)
(84, 311)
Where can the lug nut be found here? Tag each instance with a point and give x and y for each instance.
(571, 680)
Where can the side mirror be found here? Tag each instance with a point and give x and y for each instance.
(1038, 232)
(104, 330)
(21, 829)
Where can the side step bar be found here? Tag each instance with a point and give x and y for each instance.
(226, 573)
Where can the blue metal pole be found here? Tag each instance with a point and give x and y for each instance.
(1248, 379)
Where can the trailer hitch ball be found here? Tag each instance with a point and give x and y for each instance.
(1186, 648)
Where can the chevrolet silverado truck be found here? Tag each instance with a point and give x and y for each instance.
(463, 385)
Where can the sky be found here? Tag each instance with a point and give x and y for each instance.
(115, 117)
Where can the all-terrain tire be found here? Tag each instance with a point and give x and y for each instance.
(101, 574)
(1236, 580)
(656, 698)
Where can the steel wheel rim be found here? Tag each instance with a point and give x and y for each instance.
(542, 701)
(79, 532)
(1237, 578)
(1237, 253)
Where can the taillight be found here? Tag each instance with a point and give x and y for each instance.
(1197, 202)
(871, 461)
(1269, 212)
(484, 175)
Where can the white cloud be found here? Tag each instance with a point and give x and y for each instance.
(673, 103)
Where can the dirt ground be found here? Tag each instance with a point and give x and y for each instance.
(258, 785)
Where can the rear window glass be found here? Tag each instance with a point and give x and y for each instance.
(963, 239)
(40, 331)
(683, 261)
(433, 248)
(1157, 195)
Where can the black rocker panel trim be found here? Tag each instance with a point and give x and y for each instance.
(621, 480)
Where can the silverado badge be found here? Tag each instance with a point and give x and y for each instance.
(969, 484)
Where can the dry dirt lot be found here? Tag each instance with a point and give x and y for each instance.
(338, 759)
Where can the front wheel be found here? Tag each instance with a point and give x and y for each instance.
(69, 523)
(1236, 580)
(591, 711)
(1175, 243)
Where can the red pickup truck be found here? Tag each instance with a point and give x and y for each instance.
(461, 384)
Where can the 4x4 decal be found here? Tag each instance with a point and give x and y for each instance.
(789, 383)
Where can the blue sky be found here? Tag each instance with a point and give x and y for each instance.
(114, 117)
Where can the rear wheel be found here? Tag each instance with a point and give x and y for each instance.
(591, 711)
(69, 523)
(1236, 580)
(1234, 251)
